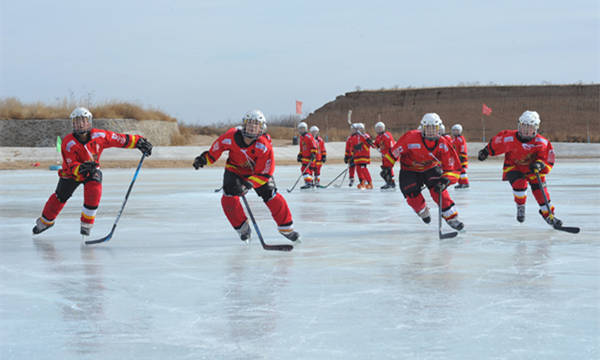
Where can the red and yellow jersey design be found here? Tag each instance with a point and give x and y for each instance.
(362, 155)
(419, 154)
(384, 142)
(321, 150)
(255, 162)
(74, 153)
(518, 155)
(308, 146)
(460, 146)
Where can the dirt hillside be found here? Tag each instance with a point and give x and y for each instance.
(566, 110)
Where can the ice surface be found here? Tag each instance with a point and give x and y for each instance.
(369, 281)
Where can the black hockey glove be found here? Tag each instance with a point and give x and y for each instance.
(299, 158)
(144, 145)
(483, 154)
(313, 157)
(346, 159)
(370, 142)
(442, 184)
(536, 166)
(88, 169)
(200, 160)
(324, 158)
(351, 162)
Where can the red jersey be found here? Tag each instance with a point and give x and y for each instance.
(350, 142)
(362, 155)
(518, 155)
(460, 146)
(255, 162)
(419, 154)
(308, 146)
(384, 142)
(75, 153)
(321, 151)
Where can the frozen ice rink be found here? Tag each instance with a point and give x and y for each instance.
(369, 281)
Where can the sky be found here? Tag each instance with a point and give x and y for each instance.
(208, 62)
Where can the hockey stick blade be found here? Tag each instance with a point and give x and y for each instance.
(448, 235)
(106, 238)
(569, 229)
(282, 247)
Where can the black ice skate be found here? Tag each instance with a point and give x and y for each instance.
(551, 220)
(455, 223)
(306, 186)
(291, 235)
(462, 186)
(86, 229)
(520, 213)
(389, 186)
(351, 182)
(424, 215)
(244, 232)
(41, 225)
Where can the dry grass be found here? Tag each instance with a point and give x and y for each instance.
(13, 108)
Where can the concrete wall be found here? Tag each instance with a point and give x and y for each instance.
(43, 133)
(567, 111)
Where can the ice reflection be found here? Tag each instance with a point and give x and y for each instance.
(81, 291)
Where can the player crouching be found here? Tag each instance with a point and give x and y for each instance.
(250, 164)
(428, 159)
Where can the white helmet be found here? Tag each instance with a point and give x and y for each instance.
(302, 127)
(360, 126)
(255, 124)
(82, 120)
(314, 130)
(430, 125)
(529, 123)
(442, 129)
(456, 129)
(379, 127)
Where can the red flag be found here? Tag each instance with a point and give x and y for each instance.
(486, 110)
(298, 107)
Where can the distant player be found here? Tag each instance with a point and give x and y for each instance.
(525, 151)
(250, 164)
(81, 152)
(321, 155)
(460, 145)
(348, 158)
(384, 142)
(307, 154)
(428, 159)
(361, 154)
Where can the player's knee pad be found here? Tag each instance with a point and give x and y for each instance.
(535, 186)
(515, 177)
(267, 191)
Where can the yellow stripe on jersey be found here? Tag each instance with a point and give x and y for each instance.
(257, 180)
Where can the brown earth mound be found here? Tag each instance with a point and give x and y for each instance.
(567, 111)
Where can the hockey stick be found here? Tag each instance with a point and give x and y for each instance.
(569, 229)
(112, 231)
(446, 235)
(219, 189)
(299, 177)
(282, 247)
(335, 178)
(343, 178)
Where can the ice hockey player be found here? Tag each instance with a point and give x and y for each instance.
(361, 154)
(428, 159)
(81, 152)
(321, 155)
(525, 152)
(443, 133)
(460, 146)
(307, 154)
(348, 159)
(384, 142)
(250, 164)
